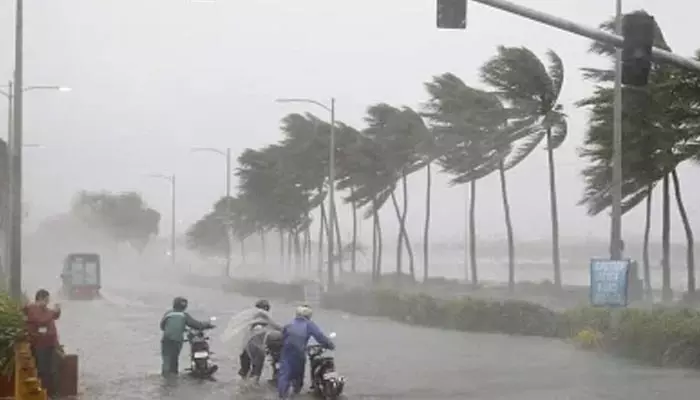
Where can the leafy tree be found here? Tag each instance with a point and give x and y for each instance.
(124, 216)
(660, 131)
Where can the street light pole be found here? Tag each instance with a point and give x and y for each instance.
(171, 179)
(331, 195)
(616, 216)
(229, 236)
(15, 203)
(13, 239)
(331, 178)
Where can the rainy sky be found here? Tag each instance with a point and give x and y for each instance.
(153, 78)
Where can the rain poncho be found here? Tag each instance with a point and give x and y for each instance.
(293, 360)
(254, 324)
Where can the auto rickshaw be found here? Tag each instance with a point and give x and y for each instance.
(81, 276)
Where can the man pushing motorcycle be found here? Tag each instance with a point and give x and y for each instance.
(173, 324)
(252, 357)
(296, 336)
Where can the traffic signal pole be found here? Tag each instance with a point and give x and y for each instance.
(591, 33)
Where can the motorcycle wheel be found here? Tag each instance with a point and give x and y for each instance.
(200, 368)
(330, 390)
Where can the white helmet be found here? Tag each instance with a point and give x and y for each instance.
(304, 311)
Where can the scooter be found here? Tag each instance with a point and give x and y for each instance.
(201, 366)
(328, 384)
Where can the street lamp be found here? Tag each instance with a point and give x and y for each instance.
(14, 151)
(616, 214)
(331, 176)
(8, 92)
(227, 155)
(171, 179)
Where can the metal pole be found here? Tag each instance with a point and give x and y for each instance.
(229, 236)
(174, 223)
(9, 113)
(7, 215)
(16, 156)
(616, 217)
(591, 33)
(331, 197)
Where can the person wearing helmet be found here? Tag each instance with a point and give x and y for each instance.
(173, 325)
(252, 357)
(296, 336)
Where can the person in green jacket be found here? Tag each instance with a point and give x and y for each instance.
(173, 324)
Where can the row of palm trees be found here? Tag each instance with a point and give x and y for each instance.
(661, 125)
(469, 133)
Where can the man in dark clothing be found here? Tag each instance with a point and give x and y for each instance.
(43, 337)
(173, 325)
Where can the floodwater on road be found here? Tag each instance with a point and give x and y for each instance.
(117, 340)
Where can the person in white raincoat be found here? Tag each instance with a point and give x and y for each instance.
(252, 357)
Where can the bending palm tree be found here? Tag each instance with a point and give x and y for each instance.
(522, 79)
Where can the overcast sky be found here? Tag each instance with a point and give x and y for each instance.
(153, 78)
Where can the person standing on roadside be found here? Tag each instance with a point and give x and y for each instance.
(43, 336)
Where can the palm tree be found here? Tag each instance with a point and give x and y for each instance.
(390, 127)
(661, 131)
(450, 112)
(519, 77)
(476, 134)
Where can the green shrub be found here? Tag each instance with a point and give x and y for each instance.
(11, 330)
(662, 336)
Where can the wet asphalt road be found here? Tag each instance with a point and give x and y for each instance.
(117, 342)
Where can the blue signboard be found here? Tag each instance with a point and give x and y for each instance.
(609, 282)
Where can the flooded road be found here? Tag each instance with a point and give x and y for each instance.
(117, 340)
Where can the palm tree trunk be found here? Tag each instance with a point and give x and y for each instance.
(321, 226)
(426, 228)
(409, 249)
(290, 252)
(297, 252)
(556, 260)
(645, 247)
(374, 246)
(690, 241)
(399, 242)
(243, 253)
(263, 245)
(472, 233)
(307, 246)
(666, 293)
(380, 245)
(509, 229)
(281, 248)
(338, 240)
(353, 260)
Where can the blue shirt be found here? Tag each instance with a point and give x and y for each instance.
(296, 335)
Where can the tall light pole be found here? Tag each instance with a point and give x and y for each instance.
(331, 177)
(616, 215)
(14, 151)
(171, 179)
(229, 236)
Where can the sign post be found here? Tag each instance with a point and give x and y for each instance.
(610, 286)
(609, 282)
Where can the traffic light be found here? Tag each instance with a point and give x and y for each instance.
(638, 31)
(452, 14)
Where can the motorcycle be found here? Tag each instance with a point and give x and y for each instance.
(273, 350)
(201, 366)
(327, 383)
